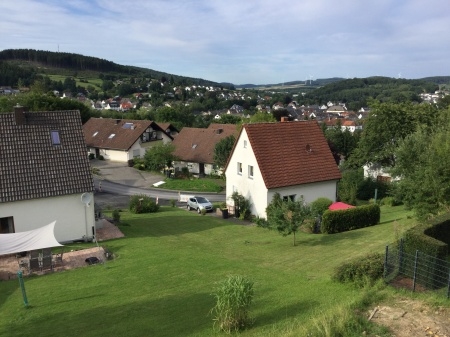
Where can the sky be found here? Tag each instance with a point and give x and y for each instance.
(242, 41)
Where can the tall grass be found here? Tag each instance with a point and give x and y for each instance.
(233, 298)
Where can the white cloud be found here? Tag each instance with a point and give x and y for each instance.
(241, 41)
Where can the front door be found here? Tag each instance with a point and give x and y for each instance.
(201, 170)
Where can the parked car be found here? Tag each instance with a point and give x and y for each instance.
(199, 203)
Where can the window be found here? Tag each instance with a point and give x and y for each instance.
(289, 197)
(111, 136)
(55, 137)
(250, 171)
(239, 168)
(245, 144)
(95, 134)
(6, 225)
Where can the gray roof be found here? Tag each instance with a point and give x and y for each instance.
(31, 166)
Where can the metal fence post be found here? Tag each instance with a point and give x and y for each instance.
(22, 287)
(415, 270)
(400, 257)
(448, 286)
(386, 262)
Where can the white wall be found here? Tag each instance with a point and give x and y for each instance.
(252, 189)
(193, 167)
(73, 219)
(310, 192)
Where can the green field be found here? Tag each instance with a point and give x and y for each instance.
(165, 270)
(87, 81)
(194, 185)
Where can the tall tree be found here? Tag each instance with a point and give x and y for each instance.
(386, 126)
(222, 150)
(423, 164)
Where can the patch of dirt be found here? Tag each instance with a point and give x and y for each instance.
(412, 318)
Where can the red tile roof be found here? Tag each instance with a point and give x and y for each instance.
(291, 153)
(97, 132)
(197, 145)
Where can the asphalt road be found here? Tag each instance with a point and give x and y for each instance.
(117, 195)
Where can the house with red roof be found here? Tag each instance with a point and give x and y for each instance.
(194, 147)
(289, 158)
(123, 139)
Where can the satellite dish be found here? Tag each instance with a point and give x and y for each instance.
(86, 198)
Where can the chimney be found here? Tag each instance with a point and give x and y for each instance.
(19, 114)
(284, 119)
(117, 121)
(219, 131)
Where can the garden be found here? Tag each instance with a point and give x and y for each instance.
(169, 264)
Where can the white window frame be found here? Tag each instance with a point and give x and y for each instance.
(251, 171)
(239, 168)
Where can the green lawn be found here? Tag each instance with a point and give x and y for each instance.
(95, 82)
(194, 184)
(166, 268)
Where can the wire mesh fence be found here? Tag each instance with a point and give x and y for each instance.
(418, 272)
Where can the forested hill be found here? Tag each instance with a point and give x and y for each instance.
(77, 62)
(359, 90)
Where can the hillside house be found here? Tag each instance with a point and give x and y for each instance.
(289, 158)
(123, 139)
(195, 147)
(45, 174)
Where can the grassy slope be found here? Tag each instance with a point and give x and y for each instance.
(167, 265)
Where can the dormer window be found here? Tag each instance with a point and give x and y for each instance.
(111, 136)
(95, 134)
(55, 137)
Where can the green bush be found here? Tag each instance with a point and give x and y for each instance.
(390, 201)
(242, 205)
(100, 157)
(360, 271)
(91, 156)
(141, 203)
(116, 216)
(349, 219)
(233, 297)
(173, 202)
(320, 205)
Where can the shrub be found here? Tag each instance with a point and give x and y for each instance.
(349, 219)
(360, 271)
(91, 156)
(116, 216)
(233, 299)
(242, 205)
(203, 211)
(320, 205)
(173, 202)
(138, 164)
(141, 203)
(100, 157)
(130, 162)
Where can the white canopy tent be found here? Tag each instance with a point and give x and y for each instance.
(43, 237)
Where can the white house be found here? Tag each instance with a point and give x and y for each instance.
(123, 139)
(45, 174)
(289, 158)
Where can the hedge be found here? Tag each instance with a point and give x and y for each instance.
(364, 269)
(432, 238)
(349, 219)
